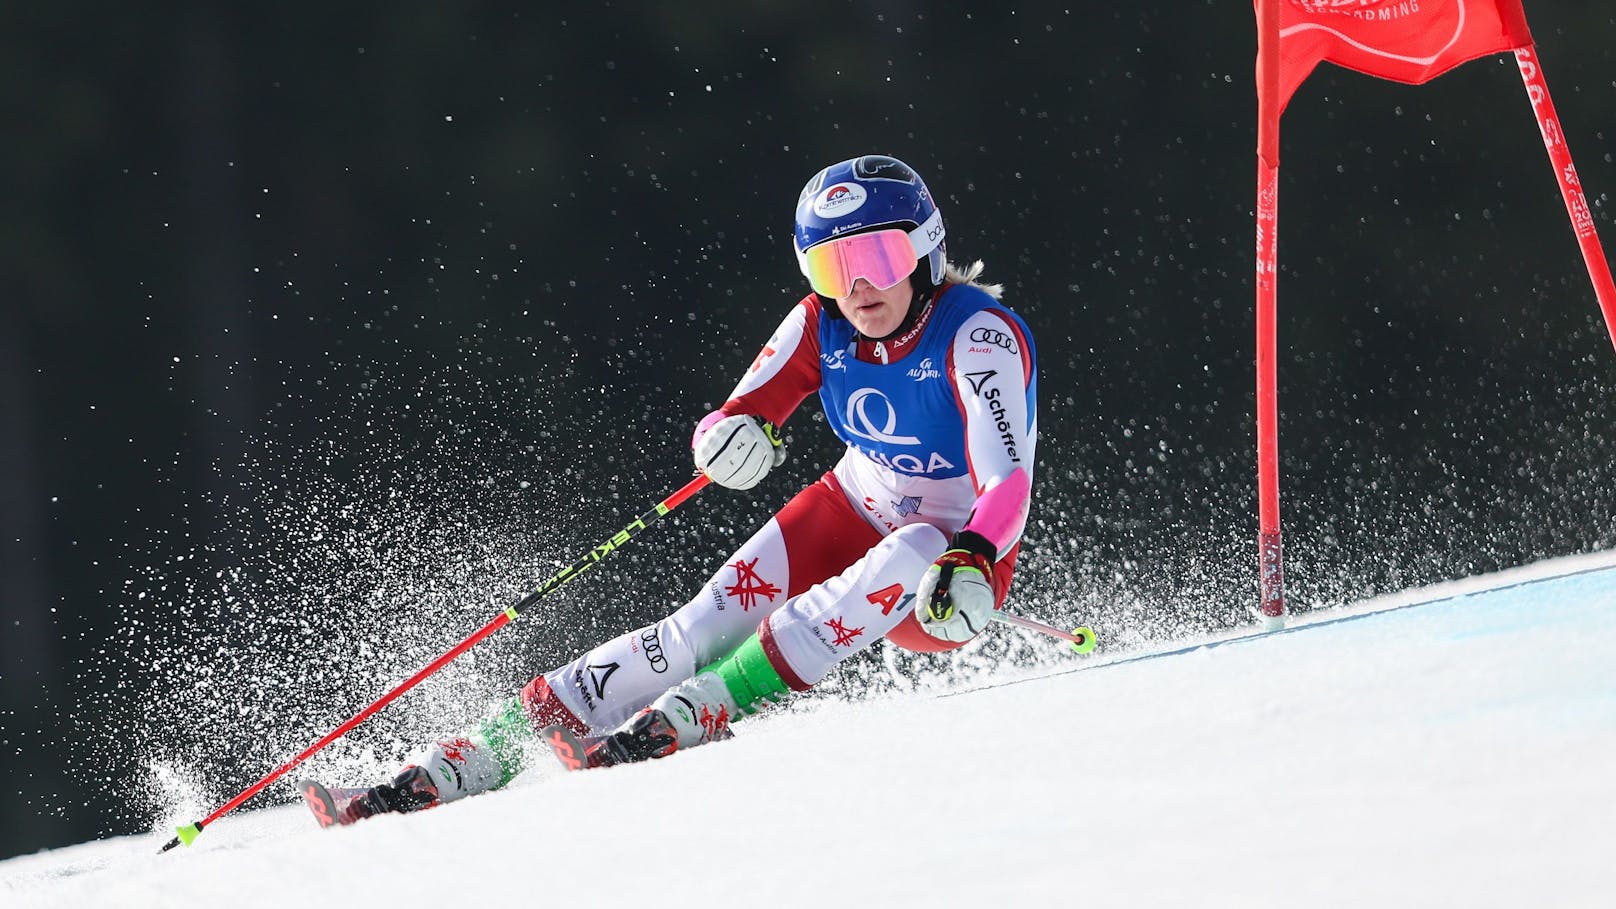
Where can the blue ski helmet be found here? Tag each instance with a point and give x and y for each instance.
(870, 193)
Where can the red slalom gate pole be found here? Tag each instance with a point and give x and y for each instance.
(1565, 172)
(190, 832)
(1270, 574)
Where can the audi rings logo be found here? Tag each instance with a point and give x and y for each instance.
(870, 415)
(653, 650)
(996, 338)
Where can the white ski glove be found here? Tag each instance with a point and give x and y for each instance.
(955, 595)
(738, 451)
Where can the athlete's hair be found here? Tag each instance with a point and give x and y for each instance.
(968, 274)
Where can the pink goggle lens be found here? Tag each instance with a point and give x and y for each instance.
(882, 257)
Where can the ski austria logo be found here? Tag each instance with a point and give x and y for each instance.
(840, 199)
(860, 422)
(924, 371)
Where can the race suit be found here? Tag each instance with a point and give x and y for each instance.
(940, 425)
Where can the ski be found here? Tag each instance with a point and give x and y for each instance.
(568, 747)
(323, 802)
(649, 735)
(411, 790)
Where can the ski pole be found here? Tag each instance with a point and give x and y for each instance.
(190, 832)
(1081, 638)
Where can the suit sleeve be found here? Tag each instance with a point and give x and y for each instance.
(785, 372)
(991, 368)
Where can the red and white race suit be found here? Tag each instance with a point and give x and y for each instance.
(940, 425)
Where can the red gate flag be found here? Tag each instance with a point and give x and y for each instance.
(1410, 41)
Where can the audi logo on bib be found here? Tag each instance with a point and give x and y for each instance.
(860, 422)
(996, 338)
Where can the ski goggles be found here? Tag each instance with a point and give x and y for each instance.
(881, 257)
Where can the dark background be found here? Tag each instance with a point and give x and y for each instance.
(325, 332)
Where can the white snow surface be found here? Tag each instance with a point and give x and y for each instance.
(1453, 746)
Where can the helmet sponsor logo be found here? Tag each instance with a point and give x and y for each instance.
(839, 200)
(861, 423)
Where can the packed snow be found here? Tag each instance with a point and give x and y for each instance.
(1452, 746)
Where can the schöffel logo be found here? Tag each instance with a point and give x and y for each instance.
(996, 338)
(1001, 422)
(911, 334)
(978, 379)
(599, 674)
(596, 677)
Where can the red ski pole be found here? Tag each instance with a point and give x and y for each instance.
(190, 832)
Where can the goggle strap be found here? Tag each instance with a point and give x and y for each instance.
(928, 236)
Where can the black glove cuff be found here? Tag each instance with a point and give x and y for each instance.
(975, 543)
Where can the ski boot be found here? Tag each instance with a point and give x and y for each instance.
(694, 713)
(648, 735)
(411, 790)
(485, 758)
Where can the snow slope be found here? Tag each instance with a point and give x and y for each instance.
(1450, 747)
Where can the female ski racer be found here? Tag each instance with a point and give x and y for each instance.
(912, 536)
